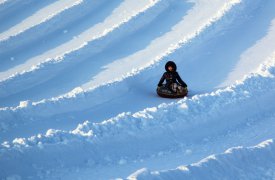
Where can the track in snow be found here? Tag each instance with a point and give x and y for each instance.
(110, 55)
(52, 32)
(232, 164)
(88, 105)
(78, 74)
(9, 10)
(160, 137)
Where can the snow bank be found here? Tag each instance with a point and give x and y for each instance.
(39, 17)
(256, 162)
(68, 102)
(10, 4)
(252, 89)
(129, 136)
(188, 129)
(92, 41)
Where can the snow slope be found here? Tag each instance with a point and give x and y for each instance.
(235, 163)
(77, 86)
(138, 139)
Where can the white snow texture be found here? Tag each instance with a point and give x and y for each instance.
(78, 81)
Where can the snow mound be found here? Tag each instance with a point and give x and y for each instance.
(256, 162)
(77, 101)
(78, 79)
(128, 136)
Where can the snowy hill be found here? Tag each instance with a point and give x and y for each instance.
(235, 163)
(78, 80)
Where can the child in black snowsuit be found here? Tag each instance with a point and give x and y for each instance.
(171, 76)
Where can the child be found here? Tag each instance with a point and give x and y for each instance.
(171, 76)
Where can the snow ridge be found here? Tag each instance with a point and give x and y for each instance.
(84, 46)
(81, 125)
(193, 109)
(82, 97)
(93, 140)
(31, 21)
(256, 162)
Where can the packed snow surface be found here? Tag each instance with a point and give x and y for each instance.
(78, 80)
(256, 162)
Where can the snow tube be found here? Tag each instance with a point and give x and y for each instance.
(166, 93)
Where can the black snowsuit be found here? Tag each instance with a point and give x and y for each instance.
(171, 76)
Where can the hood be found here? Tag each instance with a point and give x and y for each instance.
(171, 63)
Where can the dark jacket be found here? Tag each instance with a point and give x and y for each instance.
(171, 76)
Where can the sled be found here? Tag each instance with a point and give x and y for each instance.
(166, 93)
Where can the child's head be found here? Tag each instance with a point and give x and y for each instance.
(170, 66)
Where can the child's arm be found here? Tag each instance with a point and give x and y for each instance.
(161, 80)
(180, 80)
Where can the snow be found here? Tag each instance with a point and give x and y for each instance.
(77, 89)
(39, 17)
(235, 163)
(58, 54)
(250, 59)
